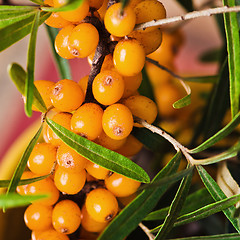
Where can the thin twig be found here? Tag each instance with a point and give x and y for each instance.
(147, 231)
(192, 15)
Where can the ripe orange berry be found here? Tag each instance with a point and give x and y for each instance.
(38, 217)
(62, 42)
(131, 147)
(63, 119)
(76, 15)
(56, 21)
(119, 22)
(52, 234)
(66, 217)
(131, 84)
(96, 171)
(117, 121)
(83, 40)
(149, 40)
(68, 182)
(89, 224)
(42, 158)
(26, 175)
(108, 87)
(86, 121)
(149, 10)
(166, 95)
(83, 83)
(129, 57)
(96, 4)
(69, 159)
(107, 63)
(45, 186)
(102, 10)
(142, 107)
(66, 95)
(44, 88)
(101, 205)
(107, 142)
(120, 185)
(35, 234)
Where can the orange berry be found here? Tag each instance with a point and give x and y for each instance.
(76, 15)
(101, 205)
(56, 21)
(129, 57)
(52, 234)
(86, 121)
(149, 40)
(38, 217)
(142, 107)
(110, 143)
(66, 217)
(66, 95)
(42, 158)
(117, 121)
(120, 185)
(89, 224)
(68, 182)
(83, 83)
(69, 159)
(83, 40)
(107, 63)
(96, 4)
(131, 84)
(108, 87)
(131, 147)
(44, 88)
(63, 119)
(62, 42)
(102, 10)
(149, 10)
(119, 22)
(96, 171)
(26, 175)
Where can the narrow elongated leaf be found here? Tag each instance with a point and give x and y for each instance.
(18, 76)
(104, 157)
(15, 200)
(5, 183)
(218, 195)
(7, 8)
(129, 218)
(18, 30)
(233, 47)
(219, 135)
(193, 202)
(202, 79)
(40, 2)
(211, 56)
(183, 102)
(62, 64)
(175, 207)
(227, 236)
(30, 66)
(124, 3)
(187, 4)
(23, 162)
(71, 5)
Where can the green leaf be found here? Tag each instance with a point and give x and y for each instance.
(40, 2)
(183, 102)
(227, 236)
(219, 135)
(12, 14)
(187, 4)
(62, 64)
(71, 5)
(102, 156)
(175, 207)
(5, 183)
(18, 76)
(124, 3)
(23, 162)
(193, 202)
(145, 88)
(202, 79)
(30, 66)
(129, 218)
(233, 48)
(18, 30)
(211, 56)
(218, 195)
(15, 200)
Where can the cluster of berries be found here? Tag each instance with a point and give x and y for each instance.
(108, 120)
